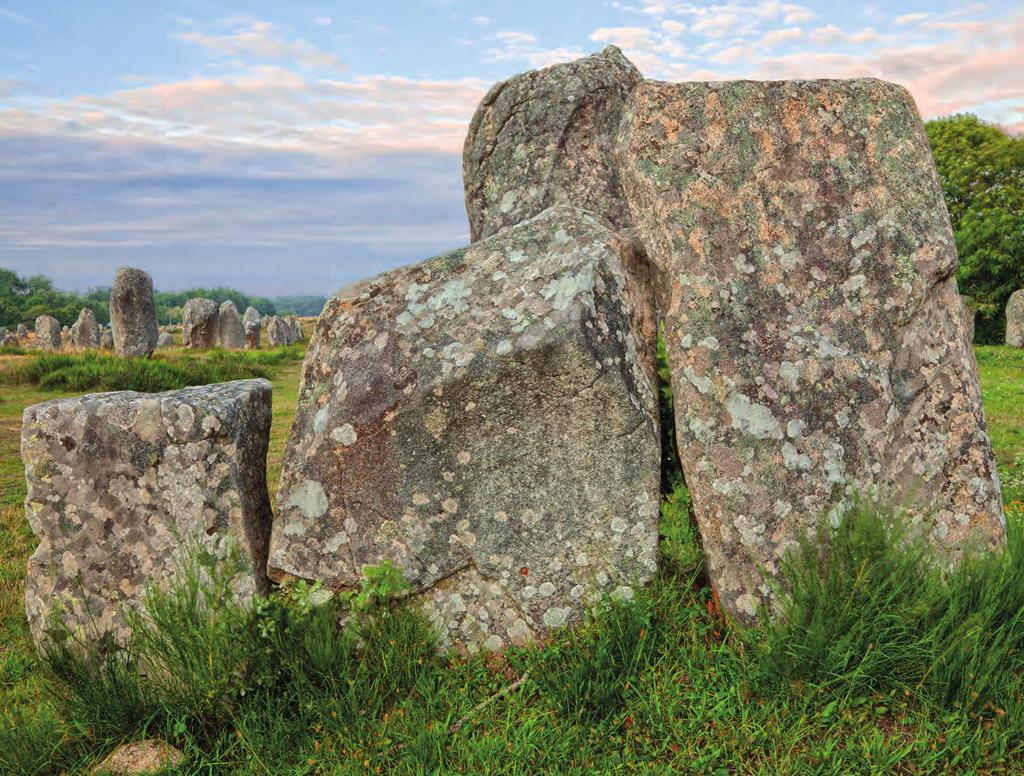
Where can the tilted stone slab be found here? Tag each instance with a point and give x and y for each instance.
(120, 485)
(487, 420)
(816, 338)
(546, 137)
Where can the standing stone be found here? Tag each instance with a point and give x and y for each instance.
(487, 420)
(1015, 319)
(231, 332)
(200, 324)
(121, 485)
(48, 333)
(10, 340)
(546, 137)
(133, 313)
(22, 331)
(85, 332)
(251, 324)
(278, 332)
(296, 329)
(165, 340)
(815, 334)
(107, 339)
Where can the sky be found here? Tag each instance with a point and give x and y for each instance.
(290, 148)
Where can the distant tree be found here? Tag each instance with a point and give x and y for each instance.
(982, 172)
(300, 305)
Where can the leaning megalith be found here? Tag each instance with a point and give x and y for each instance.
(815, 334)
(1015, 319)
(546, 137)
(279, 333)
(200, 324)
(231, 333)
(487, 420)
(251, 325)
(121, 485)
(48, 333)
(85, 331)
(133, 313)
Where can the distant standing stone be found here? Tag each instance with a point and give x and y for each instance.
(165, 340)
(48, 333)
(107, 339)
(121, 484)
(133, 313)
(279, 333)
(10, 340)
(22, 331)
(251, 324)
(231, 332)
(488, 421)
(1015, 319)
(545, 137)
(296, 328)
(815, 334)
(200, 324)
(85, 332)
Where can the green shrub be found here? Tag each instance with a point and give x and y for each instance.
(77, 373)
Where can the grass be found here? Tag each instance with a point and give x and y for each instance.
(877, 664)
(167, 370)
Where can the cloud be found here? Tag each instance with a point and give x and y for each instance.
(778, 37)
(267, 107)
(20, 19)
(624, 37)
(261, 40)
(910, 18)
(515, 45)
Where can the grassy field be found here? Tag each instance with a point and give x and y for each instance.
(881, 667)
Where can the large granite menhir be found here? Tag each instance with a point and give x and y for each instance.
(487, 420)
(547, 137)
(121, 484)
(816, 338)
(133, 313)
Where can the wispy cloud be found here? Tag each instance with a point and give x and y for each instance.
(20, 19)
(262, 40)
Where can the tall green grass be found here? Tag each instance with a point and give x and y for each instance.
(876, 662)
(75, 373)
(868, 611)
